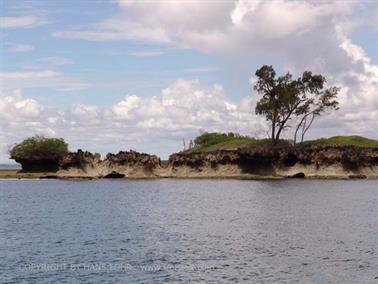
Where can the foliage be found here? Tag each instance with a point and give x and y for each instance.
(39, 147)
(207, 139)
(283, 97)
(222, 141)
(357, 141)
(317, 101)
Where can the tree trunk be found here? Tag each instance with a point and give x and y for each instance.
(273, 133)
(282, 125)
(274, 129)
(307, 128)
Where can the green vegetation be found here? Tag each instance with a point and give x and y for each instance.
(285, 99)
(221, 141)
(39, 148)
(357, 141)
(207, 142)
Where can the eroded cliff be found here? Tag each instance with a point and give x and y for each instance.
(279, 162)
(122, 164)
(263, 162)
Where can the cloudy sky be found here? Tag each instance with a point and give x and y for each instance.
(112, 75)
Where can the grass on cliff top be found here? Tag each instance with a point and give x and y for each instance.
(357, 141)
(208, 142)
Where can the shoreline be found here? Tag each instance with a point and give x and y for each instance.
(264, 163)
(9, 174)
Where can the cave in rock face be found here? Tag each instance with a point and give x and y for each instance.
(114, 174)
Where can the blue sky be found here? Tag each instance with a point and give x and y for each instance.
(121, 66)
(145, 75)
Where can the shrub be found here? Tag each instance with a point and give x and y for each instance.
(39, 148)
(221, 141)
(207, 139)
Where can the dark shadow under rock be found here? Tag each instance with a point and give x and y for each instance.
(114, 174)
(298, 175)
(290, 160)
(357, 176)
(49, 177)
(39, 165)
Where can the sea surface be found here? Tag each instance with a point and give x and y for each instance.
(188, 231)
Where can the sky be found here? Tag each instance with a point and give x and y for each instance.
(146, 75)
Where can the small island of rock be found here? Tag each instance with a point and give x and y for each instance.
(212, 155)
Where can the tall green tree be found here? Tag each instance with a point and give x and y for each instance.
(284, 98)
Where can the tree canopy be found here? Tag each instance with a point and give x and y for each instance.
(39, 148)
(284, 98)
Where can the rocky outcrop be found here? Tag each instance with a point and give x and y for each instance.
(80, 160)
(133, 159)
(123, 164)
(132, 164)
(264, 162)
(281, 161)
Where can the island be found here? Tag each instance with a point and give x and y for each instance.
(285, 102)
(210, 155)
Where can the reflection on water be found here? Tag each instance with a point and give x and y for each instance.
(205, 231)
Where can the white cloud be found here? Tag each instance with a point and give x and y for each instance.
(205, 69)
(82, 111)
(42, 78)
(28, 75)
(16, 107)
(54, 60)
(211, 26)
(15, 47)
(145, 53)
(156, 124)
(123, 109)
(20, 22)
(51, 79)
(302, 34)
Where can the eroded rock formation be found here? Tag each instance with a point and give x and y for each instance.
(80, 160)
(264, 162)
(133, 159)
(282, 161)
(123, 164)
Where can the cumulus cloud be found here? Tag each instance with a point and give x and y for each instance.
(304, 35)
(156, 124)
(25, 108)
(212, 26)
(187, 107)
(18, 114)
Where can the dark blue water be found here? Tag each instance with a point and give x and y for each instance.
(188, 231)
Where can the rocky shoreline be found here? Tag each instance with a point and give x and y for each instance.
(258, 163)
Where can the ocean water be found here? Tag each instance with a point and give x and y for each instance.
(188, 231)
